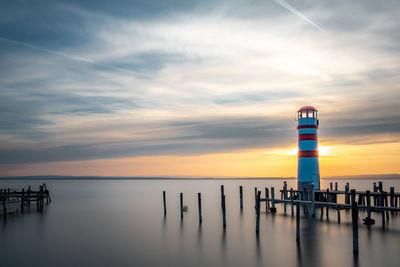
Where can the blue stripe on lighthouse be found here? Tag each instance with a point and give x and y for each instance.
(309, 145)
(307, 131)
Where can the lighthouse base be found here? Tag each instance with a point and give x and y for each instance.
(304, 185)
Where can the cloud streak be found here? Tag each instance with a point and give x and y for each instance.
(76, 58)
(294, 11)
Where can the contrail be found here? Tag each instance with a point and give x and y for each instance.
(294, 11)
(77, 58)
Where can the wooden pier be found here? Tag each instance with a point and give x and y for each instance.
(377, 201)
(17, 201)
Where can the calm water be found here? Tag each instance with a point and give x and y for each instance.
(121, 223)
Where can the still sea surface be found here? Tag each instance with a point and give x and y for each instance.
(121, 223)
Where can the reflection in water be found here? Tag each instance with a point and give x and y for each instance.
(310, 240)
(355, 259)
(299, 259)
(258, 250)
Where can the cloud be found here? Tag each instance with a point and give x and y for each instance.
(220, 77)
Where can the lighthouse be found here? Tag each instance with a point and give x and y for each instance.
(308, 161)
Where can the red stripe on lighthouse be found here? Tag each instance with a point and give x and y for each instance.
(308, 154)
(307, 126)
(307, 137)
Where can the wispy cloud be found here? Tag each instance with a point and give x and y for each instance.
(76, 58)
(294, 11)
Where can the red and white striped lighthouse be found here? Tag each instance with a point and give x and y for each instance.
(308, 161)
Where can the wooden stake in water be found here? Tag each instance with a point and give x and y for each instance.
(258, 211)
(199, 203)
(222, 193)
(22, 200)
(354, 220)
(312, 200)
(181, 201)
(223, 212)
(273, 209)
(241, 196)
(165, 204)
(291, 200)
(297, 222)
(266, 199)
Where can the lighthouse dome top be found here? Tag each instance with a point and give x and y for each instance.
(307, 108)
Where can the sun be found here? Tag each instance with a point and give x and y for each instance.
(322, 151)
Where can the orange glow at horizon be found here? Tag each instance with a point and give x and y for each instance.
(334, 160)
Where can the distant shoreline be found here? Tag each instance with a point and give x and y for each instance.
(160, 178)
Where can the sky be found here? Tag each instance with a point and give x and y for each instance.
(197, 88)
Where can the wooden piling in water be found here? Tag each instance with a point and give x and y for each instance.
(223, 212)
(338, 214)
(312, 200)
(346, 194)
(222, 193)
(354, 220)
(273, 208)
(336, 186)
(291, 201)
(392, 197)
(380, 186)
(258, 204)
(297, 222)
(241, 197)
(255, 196)
(22, 200)
(327, 208)
(181, 202)
(199, 204)
(331, 186)
(381, 202)
(164, 204)
(267, 199)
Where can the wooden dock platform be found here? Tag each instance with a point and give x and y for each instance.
(16, 201)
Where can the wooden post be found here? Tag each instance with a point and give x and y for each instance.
(322, 212)
(380, 186)
(331, 186)
(354, 220)
(22, 200)
(222, 193)
(383, 212)
(297, 222)
(375, 198)
(273, 209)
(291, 201)
(258, 212)
(386, 204)
(223, 212)
(327, 208)
(346, 194)
(312, 201)
(241, 197)
(353, 195)
(392, 197)
(181, 202)
(255, 196)
(29, 196)
(165, 205)
(368, 220)
(336, 186)
(199, 203)
(267, 199)
(4, 204)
